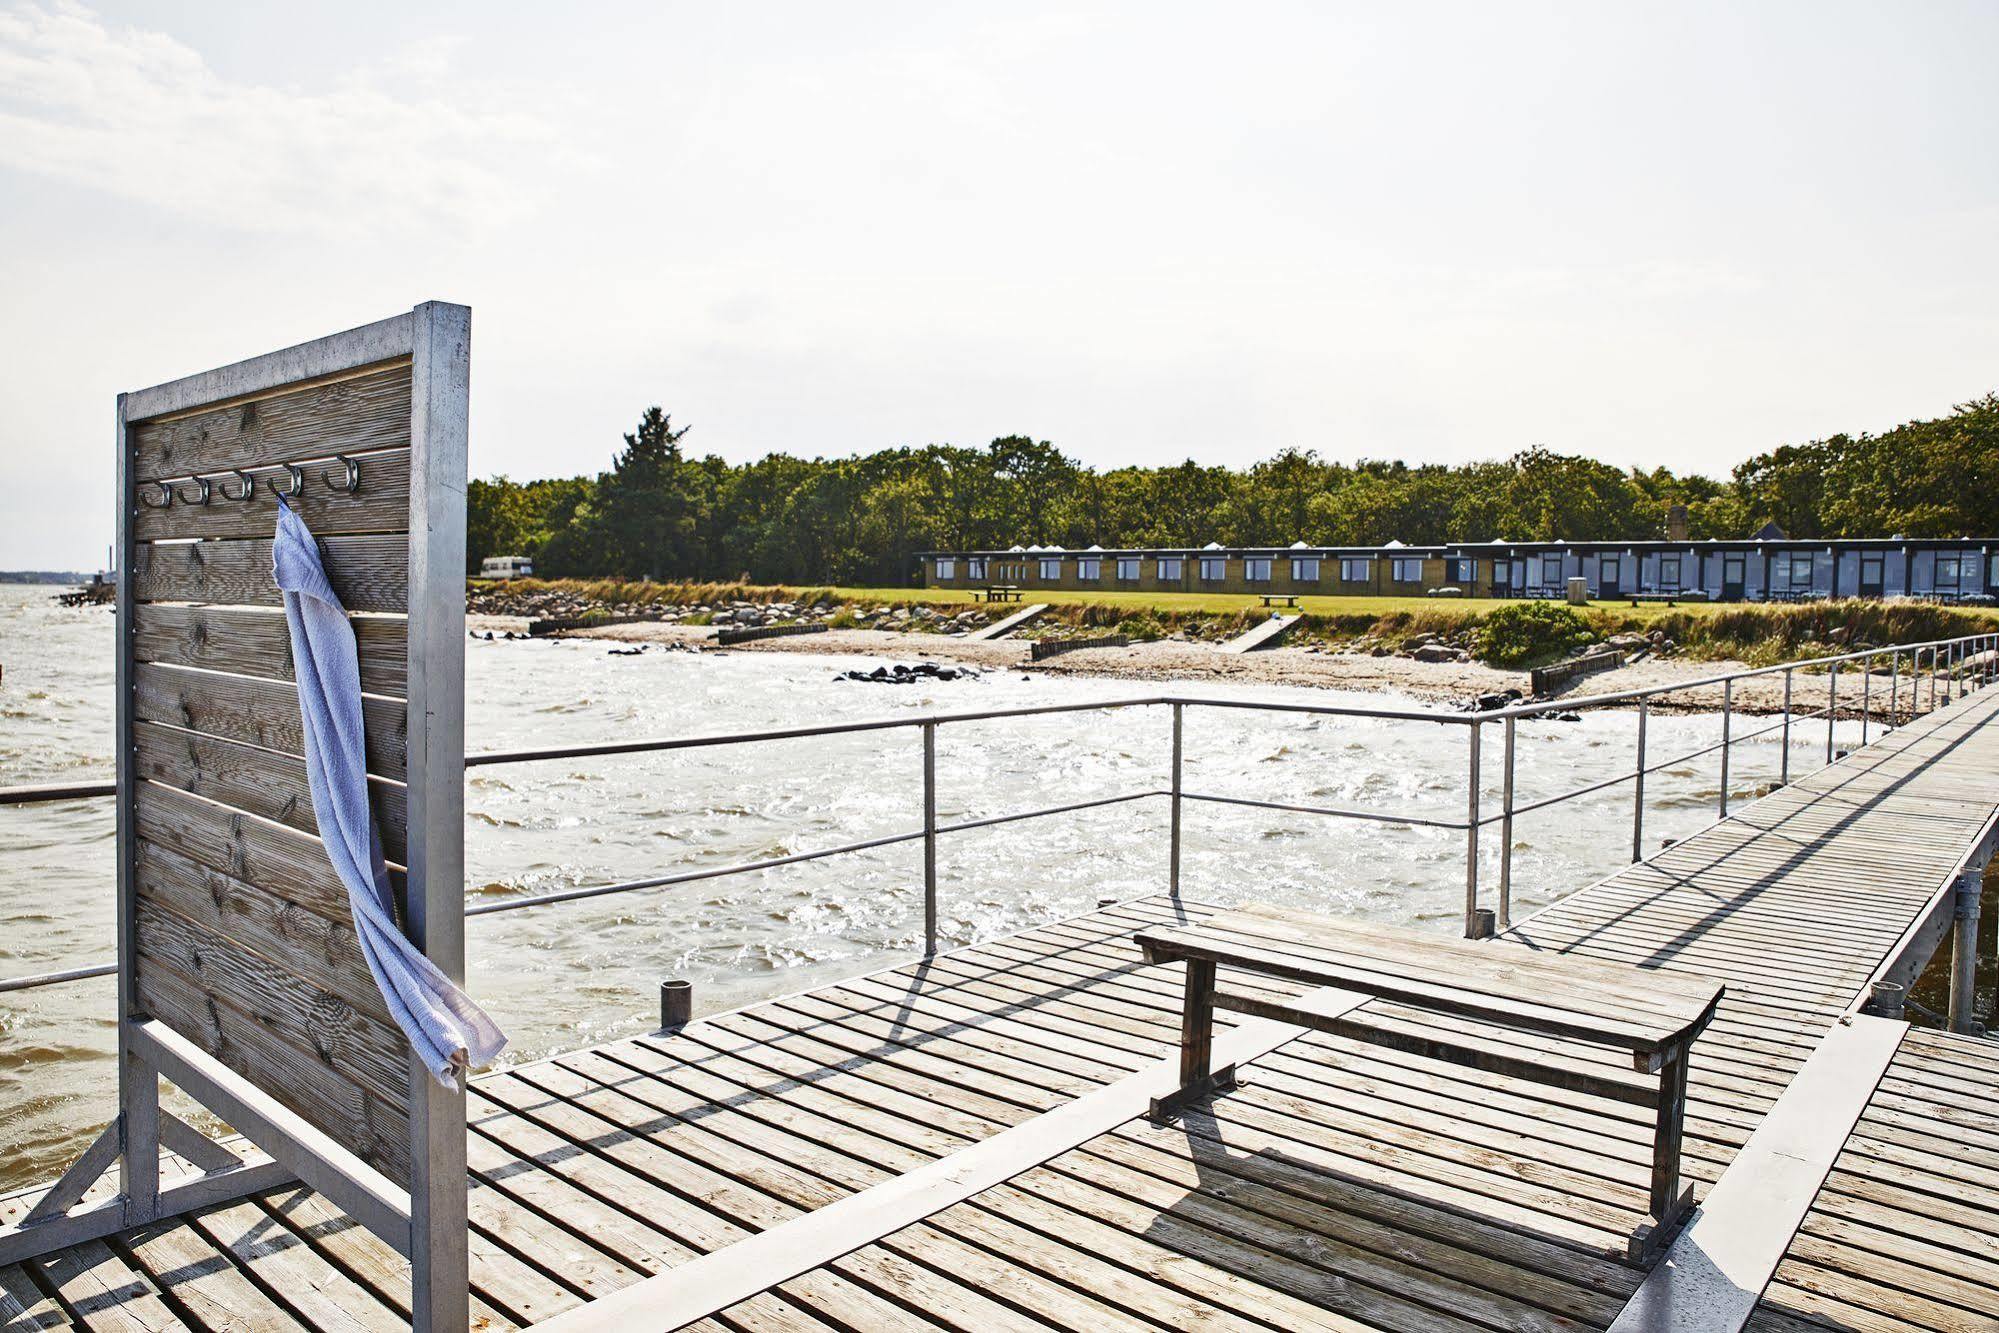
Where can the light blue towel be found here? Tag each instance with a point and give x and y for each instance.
(448, 1032)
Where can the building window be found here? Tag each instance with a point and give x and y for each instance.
(1089, 570)
(1170, 568)
(1870, 571)
(1355, 570)
(975, 568)
(1606, 569)
(1256, 571)
(1127, 570)
(1949, 573)
(1791, 572)
(1669, 573)
(1305, 569)
(1213, 570)
(1051, 570)
(1551, 570)
(1406, 569)
(1464, 571)
(947, 569)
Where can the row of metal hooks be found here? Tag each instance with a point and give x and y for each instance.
(161, 494)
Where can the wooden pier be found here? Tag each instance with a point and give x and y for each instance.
(1344, 1186)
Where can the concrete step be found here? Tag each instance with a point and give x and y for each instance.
(1262, 636)
(999, 629)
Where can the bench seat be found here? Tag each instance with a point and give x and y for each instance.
(1650, 1017)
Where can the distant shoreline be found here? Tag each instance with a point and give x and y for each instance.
(1449, 684)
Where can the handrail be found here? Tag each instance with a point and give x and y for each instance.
(1981, 650)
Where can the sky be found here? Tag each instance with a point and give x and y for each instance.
(1655, 234)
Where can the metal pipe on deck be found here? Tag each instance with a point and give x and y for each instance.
(1831, 708)
(1964, 953)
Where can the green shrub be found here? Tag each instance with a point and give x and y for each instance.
(1141, 628)
(1522, 634)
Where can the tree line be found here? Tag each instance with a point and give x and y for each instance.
(659, 512)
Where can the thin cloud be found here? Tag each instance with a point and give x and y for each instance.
(141, 115)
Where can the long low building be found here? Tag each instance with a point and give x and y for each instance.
(1752, 570)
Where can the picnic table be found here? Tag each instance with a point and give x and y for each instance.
(1002, 592)
(1273, 598)
(1546, 1002)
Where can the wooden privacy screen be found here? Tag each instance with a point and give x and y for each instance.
(244, 942)
(240, 974)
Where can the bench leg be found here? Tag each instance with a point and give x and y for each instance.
(1670, 1200)
(1197, 1035)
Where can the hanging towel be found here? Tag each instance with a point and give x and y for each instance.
(448, 1032)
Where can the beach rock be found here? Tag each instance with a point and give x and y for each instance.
(1437, 652)
(908, 673)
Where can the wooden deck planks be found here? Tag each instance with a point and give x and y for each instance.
(1346, 1186)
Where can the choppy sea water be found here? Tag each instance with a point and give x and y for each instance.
(569, 975)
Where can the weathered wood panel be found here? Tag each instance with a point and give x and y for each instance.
(380, 505)
(257, 712)
(332, 1027)
(257, 643)
(347, 415)
(321, 948)
(242, 846)
(263, 782)
(368, 573)
(376, 1131)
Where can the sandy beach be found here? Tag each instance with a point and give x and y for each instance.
(1450, 684)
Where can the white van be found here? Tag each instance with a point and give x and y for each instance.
(506, 567)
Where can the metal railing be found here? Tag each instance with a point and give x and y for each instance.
(1952, 666)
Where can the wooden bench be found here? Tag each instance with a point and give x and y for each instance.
(1003, 592)
(1652, 1016)
(1273, 598)
(1669, 598)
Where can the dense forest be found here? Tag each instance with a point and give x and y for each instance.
(661, 513)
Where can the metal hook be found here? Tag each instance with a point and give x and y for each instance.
(297, 486)
(248, 490)
(166, 493)
(202, 482)
(353, 476)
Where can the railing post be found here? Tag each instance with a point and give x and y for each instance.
(929, 838)
(1173, 862)
(1727, 708)
(1506, 836)
(1866, 695)
(1784, 759)
(1638, 788)
(1964, 952)
(1933, 678)
(1894, 685)
(1831, 707)
(1471, 836)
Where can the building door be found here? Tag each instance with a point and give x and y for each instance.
(1609, 580)
(1731, 578)
(1871, 582)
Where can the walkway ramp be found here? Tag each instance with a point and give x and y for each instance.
(1346, 1186)
(999, 629)
(1262, 636)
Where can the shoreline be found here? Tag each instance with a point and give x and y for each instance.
(1451, 684)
